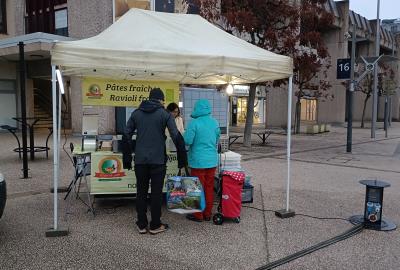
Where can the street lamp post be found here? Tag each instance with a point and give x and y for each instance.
(375, 93)
(351, 91)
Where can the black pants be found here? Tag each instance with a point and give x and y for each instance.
(144, 173)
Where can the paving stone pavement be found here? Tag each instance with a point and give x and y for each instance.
(324, 184)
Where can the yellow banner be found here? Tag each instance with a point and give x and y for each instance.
(121, 93)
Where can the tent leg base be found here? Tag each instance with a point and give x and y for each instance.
(285, 214)
(59, 190)
(56, 233)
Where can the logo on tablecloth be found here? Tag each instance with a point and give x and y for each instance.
(94, 91)
(110, 167)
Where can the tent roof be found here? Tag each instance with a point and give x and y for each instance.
(148, 45)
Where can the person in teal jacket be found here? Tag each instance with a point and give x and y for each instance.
(202, 135)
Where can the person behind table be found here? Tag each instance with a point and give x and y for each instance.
(173, 108)
(202, 135)
(150, 121)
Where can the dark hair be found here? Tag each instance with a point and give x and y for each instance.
(157, 94)
(172, 107)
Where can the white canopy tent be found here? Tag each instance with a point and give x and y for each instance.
(148, 45)
(166, 46)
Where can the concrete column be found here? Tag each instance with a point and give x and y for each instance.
(333, 110)
(88, 18)
(95, 16)
(76, 105)
(29, 96)
(106, 114)
(276, 106)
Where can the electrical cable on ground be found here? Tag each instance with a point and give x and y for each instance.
(297, 214)
(265, 224)
(353, 231)
(322, 218)
(65, 139)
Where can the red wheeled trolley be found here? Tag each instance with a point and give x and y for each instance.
(230, 193)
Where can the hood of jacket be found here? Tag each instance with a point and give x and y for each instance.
(150, 106)
(201, 108)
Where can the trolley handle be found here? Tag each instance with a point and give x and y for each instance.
(186, 171)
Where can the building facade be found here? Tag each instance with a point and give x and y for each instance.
(337, 40)
(392, 25)
(40, 23)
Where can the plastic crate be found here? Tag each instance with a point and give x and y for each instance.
(224, 142)
(247, 193)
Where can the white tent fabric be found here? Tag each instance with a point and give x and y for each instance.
(148, 45)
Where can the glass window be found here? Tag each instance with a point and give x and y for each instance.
(165, 6)
(8, 102)
(61, 22)
(3, 18)
(193, 7)
(259, 109)
(46, 16)
(7, 85)
(241, 110)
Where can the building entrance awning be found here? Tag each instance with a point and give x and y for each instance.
(37, 46)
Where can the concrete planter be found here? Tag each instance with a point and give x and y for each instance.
(309, 129)
(314, 128)
(327, 127)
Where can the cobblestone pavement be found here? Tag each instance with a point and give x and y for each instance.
(324, 184)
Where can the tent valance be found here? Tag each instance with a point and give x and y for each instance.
(163, 46)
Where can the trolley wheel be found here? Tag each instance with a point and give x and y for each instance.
(236, 219)
(218, 219)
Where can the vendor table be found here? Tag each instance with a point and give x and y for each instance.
(107, 175)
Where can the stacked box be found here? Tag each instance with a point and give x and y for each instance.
(224, 142)
(230, 161)
(247, 193)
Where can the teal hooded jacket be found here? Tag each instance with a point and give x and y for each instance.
(202, 135)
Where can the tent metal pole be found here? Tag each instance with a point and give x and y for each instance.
(286, 213)
(228, 118)
(59, 133)
(55, 231)
(289, 135)
(55, 147)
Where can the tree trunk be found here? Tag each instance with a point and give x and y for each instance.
(363, 113)
(249, 116)
(297, 116)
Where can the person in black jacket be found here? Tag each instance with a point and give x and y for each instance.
(150, 121)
